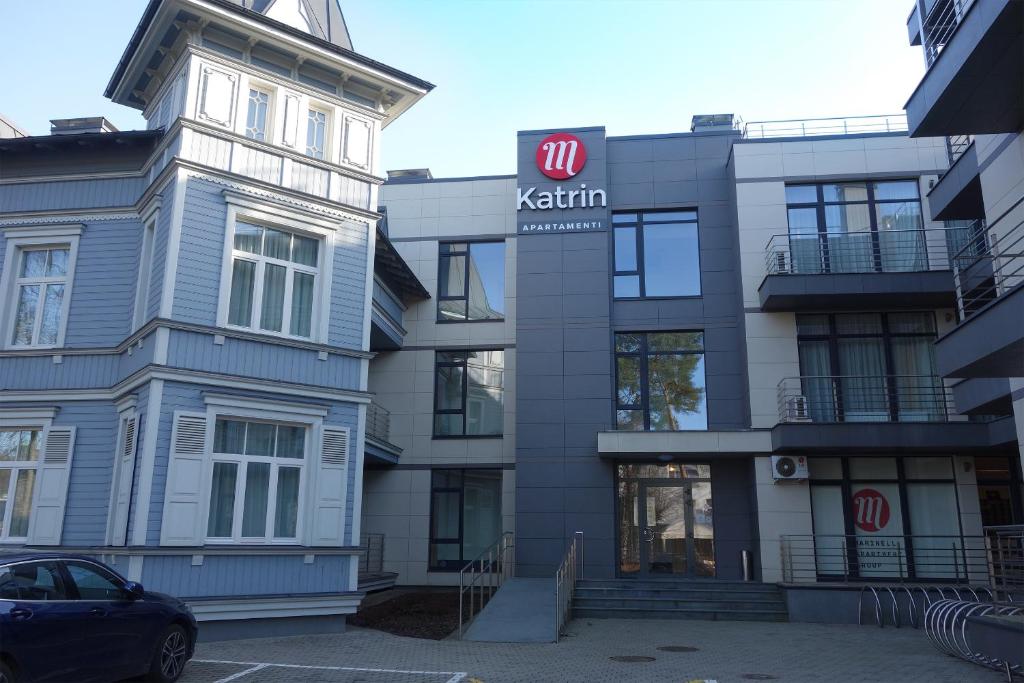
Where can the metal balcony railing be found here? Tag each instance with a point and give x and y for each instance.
(882, 251)
(884, 557)
(371, 561)
(828, 399)
(378, 422)
(989, 266)
(941, 23)
(956, 145)
(849, 125)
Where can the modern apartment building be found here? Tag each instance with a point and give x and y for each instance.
(188, 314)
(689, 347)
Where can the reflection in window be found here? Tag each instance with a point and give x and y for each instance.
(256, 115)
(660, 381)
(657, 254)
(465, 515)
(471, 281)
(19, 458)
(39, 295)
(469, 393)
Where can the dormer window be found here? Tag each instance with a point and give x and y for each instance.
(316, 133)
(256, 118)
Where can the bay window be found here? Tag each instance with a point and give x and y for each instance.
(258, 473)
(19, 459)
(274, 280)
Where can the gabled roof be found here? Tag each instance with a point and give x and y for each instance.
(324, 17)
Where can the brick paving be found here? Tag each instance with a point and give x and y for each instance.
(810, 653)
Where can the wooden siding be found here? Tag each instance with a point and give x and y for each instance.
(202, 250)
(74, 372)
(85, 517)
(71, 194)
(196, 351)
(347, 415)
(227, 576)
(157, 270)
(349, 285)
(106, 272)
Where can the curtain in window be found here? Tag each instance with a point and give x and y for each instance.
(243, 282)
(850, 245)
(805, 245)
(901, 238)
(302, 305)
(273, 297)
(863, 383)
(920, 395)
(222, 500)
(936, 528)
(254, 508)
(816, 384)
(286, 514)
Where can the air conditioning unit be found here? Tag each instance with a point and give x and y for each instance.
(781, 259)
(797, 409)
(789, 467)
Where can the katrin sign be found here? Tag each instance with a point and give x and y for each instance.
(561, 156)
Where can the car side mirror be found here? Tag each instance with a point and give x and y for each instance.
(135, 589)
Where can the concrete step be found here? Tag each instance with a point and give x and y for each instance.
(663, 603)
(676, 593)
(677, 584)
(679, 613)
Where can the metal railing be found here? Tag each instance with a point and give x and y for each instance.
(883, 251)
(1006, 561)
(848, 125)
(982, 275)
(483, 576)
(864, 398)
(371, 561)
(570, 569)
(378, 422)
(810, 558)
(956, 145)
(939, 26)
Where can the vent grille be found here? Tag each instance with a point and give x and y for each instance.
(58, 446)
(129, 438)
(191, 435)
(335, 451)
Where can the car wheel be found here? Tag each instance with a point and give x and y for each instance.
(6, 675)
(171, 655)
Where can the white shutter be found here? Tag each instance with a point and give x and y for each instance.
(125, 474)
(183, 494)
(47, 517)
(330, 484)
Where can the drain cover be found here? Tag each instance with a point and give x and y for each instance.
(631, 659)
(678, 648)
(758, 677)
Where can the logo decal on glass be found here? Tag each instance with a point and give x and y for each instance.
(871, 510)
(561, 156)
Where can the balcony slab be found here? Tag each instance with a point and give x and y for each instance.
(957, 195)
(853, 291)
(881, 437)
(988, 344)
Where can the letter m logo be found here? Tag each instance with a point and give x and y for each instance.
(561, 156)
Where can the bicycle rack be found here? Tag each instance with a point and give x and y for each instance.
(878, 606)
(945, 624)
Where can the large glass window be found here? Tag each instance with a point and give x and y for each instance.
(471, 281)
(469, 393)
(856, 227)
(257, 475)
(273, 280)
(19, 458)
(870, 367)
(39, 291)
(465, 515)
(657, 254)
(257, 114)
(660, 381)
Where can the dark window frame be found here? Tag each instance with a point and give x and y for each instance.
(643, 218)
(441, 256)
(462, 410)
(886, 335)
(456, 565)
(871, 203)
(643, 354)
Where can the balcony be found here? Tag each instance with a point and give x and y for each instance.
(379, 449)
(848, 125)
(824, 413)
(957, 194)
(386, 331)
(842, 271)
(989, 278)
(975, 78)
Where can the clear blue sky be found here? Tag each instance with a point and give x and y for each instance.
(641, 66)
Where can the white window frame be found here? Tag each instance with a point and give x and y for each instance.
(123, 472)
(146, 255)
(33, 420)
(20, 240)
(325, 151)
(259, 410)
(268, 123)
(242, 209)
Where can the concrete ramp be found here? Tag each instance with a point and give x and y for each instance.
(522, 611)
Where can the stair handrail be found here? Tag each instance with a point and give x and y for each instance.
(487, 572)
(565, 582)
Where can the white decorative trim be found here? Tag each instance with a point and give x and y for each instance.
(53, 218)
(263, 608)
(126, 403)
(62, 230)
(263, 404)
(285, 210)
(109, 175)
(27, 415)
(173, 249)
(150, 207)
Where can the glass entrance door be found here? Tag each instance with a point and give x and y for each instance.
(666, 525)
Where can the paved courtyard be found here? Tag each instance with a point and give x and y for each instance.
(727, 652)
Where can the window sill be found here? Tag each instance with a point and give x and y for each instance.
(271, 334)
(478, 320)
(658, 298)
(462, 437)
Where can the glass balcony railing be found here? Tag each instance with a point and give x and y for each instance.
(882, 251)
(829, 399)
(378, 423)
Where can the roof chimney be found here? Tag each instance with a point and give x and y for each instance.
(410, 174)
(706, 122)
(85, 124)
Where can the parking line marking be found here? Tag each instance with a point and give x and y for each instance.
(456, 676)
(243, 673)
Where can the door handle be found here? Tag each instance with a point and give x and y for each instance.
(98, 612)
(648, 534)
(21, 614)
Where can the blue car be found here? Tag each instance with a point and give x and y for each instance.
(71, 618)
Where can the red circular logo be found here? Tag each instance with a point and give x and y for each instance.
(561, 156)
(870, 510)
